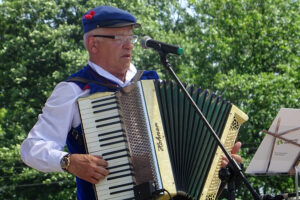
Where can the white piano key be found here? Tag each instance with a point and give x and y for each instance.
(102, 130)
(129, 194)
(88, 103)
(95, 138)
(97, 148)
(106, 106)
(125, 187)
(105, 194)
(115, 159)
(90, 113)
(115, 181)
(114, 151)
(105, 185)
(99, 112)
(123, 160)
(119, 175)
(110, 149)
(128, 167)
(92, 122)
(107, 143)
(117, 163)
(107, 122)
(101, 124)
(102, 100)
(91, 138)
(116, 191)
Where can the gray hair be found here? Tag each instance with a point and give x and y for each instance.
(87, 35)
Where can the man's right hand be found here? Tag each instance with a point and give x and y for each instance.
(88, 167)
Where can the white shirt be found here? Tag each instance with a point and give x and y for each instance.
(43, 147)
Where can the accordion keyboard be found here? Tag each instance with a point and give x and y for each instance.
(105, 136)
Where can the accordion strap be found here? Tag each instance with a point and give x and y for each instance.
(86, 81)
(137, 77)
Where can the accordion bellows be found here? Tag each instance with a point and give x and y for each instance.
(150, 132)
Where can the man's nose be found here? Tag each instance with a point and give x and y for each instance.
(128, 45)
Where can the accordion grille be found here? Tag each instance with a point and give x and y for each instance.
(139, 143)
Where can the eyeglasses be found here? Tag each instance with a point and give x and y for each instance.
(122, 39)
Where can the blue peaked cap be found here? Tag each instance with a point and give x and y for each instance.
(107, 17)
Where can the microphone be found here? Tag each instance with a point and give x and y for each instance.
(147, 42)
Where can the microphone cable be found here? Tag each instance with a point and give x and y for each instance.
(157, 192)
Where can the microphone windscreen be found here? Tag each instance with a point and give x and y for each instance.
(144, 41)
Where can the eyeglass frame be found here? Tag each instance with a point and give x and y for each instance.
(133, 39)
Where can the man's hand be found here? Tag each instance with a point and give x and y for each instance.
(234, 154)
(88, 167)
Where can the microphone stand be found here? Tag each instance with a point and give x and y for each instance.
(234, 166)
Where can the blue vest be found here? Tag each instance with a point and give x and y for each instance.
(75, 142)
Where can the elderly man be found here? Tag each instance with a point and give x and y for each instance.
(108, 38)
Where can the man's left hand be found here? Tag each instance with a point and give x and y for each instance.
(234, 154)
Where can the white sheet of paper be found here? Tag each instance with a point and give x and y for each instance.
(284, 154)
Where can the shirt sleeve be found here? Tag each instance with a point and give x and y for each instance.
(43, 147)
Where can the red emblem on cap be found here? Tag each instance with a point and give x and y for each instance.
(90, 15)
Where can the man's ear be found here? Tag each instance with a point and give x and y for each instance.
(92, 45)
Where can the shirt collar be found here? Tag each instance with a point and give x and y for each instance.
(129, 75)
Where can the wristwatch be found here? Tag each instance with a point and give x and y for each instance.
(65, 162)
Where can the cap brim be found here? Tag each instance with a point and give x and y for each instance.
(119, 25)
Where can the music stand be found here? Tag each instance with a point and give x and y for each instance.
(279, 151)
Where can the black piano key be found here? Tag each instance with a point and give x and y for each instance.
(104, 99)
(109, 124)
(117, 166)
(116, 157)
(111, 143)
(110, 132)
(114, 152)
(121, 176)
(122, 185)
(107, 118)
(123, 170)
(131, 198)
(110, 138)
(120, 191)
(104, 104)
(107, 109)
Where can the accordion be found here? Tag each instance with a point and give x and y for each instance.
(149, 133)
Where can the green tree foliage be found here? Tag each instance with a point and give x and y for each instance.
(247, 51)
(36, 37)
(252, 54)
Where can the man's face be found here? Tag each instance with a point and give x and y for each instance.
(114, 55)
